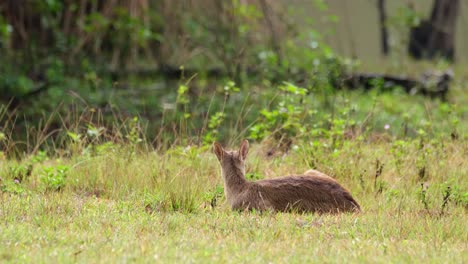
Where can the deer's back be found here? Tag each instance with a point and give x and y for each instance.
(302, 193)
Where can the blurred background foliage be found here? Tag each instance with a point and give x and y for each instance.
(194, 70)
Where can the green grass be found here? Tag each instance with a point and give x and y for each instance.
(121, 206)
(107, 195)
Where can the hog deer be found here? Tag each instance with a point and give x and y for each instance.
(312, 191)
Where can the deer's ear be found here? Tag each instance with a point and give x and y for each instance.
(244, 149)
(218, 151)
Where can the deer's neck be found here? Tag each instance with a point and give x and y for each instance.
(234, 181)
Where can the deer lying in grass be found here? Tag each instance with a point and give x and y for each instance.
(312, 191)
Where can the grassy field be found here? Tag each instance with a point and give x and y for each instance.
(119, 199)
(114, 169)
(124, 205)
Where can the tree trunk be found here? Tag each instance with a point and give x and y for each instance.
(435, 37)
(383, 27)
(275, 44)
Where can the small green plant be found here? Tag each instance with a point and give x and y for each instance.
(423, 195)
(453, 192)
(182, 97)
(399, 149)
(379, 184)
(230, 88)
(77, 143)
(20, 172)
(336, 132)
(39, 157)
(460, 198)
(134, 135)
(9, 186)
(54, 177)
(94, 133)
(449, 110)
(215, 122)
(286, 120)
(422, 155)
(213, 196)
(445, 199)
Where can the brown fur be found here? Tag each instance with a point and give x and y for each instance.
(311, 192)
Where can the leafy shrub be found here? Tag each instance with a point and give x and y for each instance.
(213, 196)
(285, 120)
(20, 172)
(54, 177)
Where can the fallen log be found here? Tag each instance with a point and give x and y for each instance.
(432, 83)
